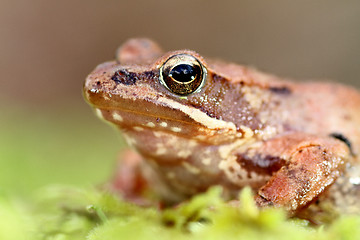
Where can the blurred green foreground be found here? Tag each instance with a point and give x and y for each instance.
(52, 161)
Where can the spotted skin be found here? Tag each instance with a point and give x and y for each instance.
(241, 128)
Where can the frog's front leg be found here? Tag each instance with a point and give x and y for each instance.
(136, 181)
(305, 165)
(129, 180)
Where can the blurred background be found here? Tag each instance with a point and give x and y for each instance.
(49, 135)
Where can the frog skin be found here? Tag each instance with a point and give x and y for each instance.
(200, 122)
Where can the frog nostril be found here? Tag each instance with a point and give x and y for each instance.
(344, 139)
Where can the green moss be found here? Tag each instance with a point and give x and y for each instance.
(14, 224)
(75, 213)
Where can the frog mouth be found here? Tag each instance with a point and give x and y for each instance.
(163, 115)
(155, 109)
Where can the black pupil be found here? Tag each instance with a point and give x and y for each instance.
(184, 73)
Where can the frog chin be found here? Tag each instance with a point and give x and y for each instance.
(162, 114)
(147, 124)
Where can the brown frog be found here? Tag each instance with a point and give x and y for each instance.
(199, 122)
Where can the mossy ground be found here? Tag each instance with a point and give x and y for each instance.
(64, 213)
(50, 167)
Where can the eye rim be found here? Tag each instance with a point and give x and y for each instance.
(178, 87)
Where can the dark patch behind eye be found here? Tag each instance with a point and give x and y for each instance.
(342, 138)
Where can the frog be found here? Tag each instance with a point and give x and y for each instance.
(196, 122)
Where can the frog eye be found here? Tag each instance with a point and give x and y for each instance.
(182, 74)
